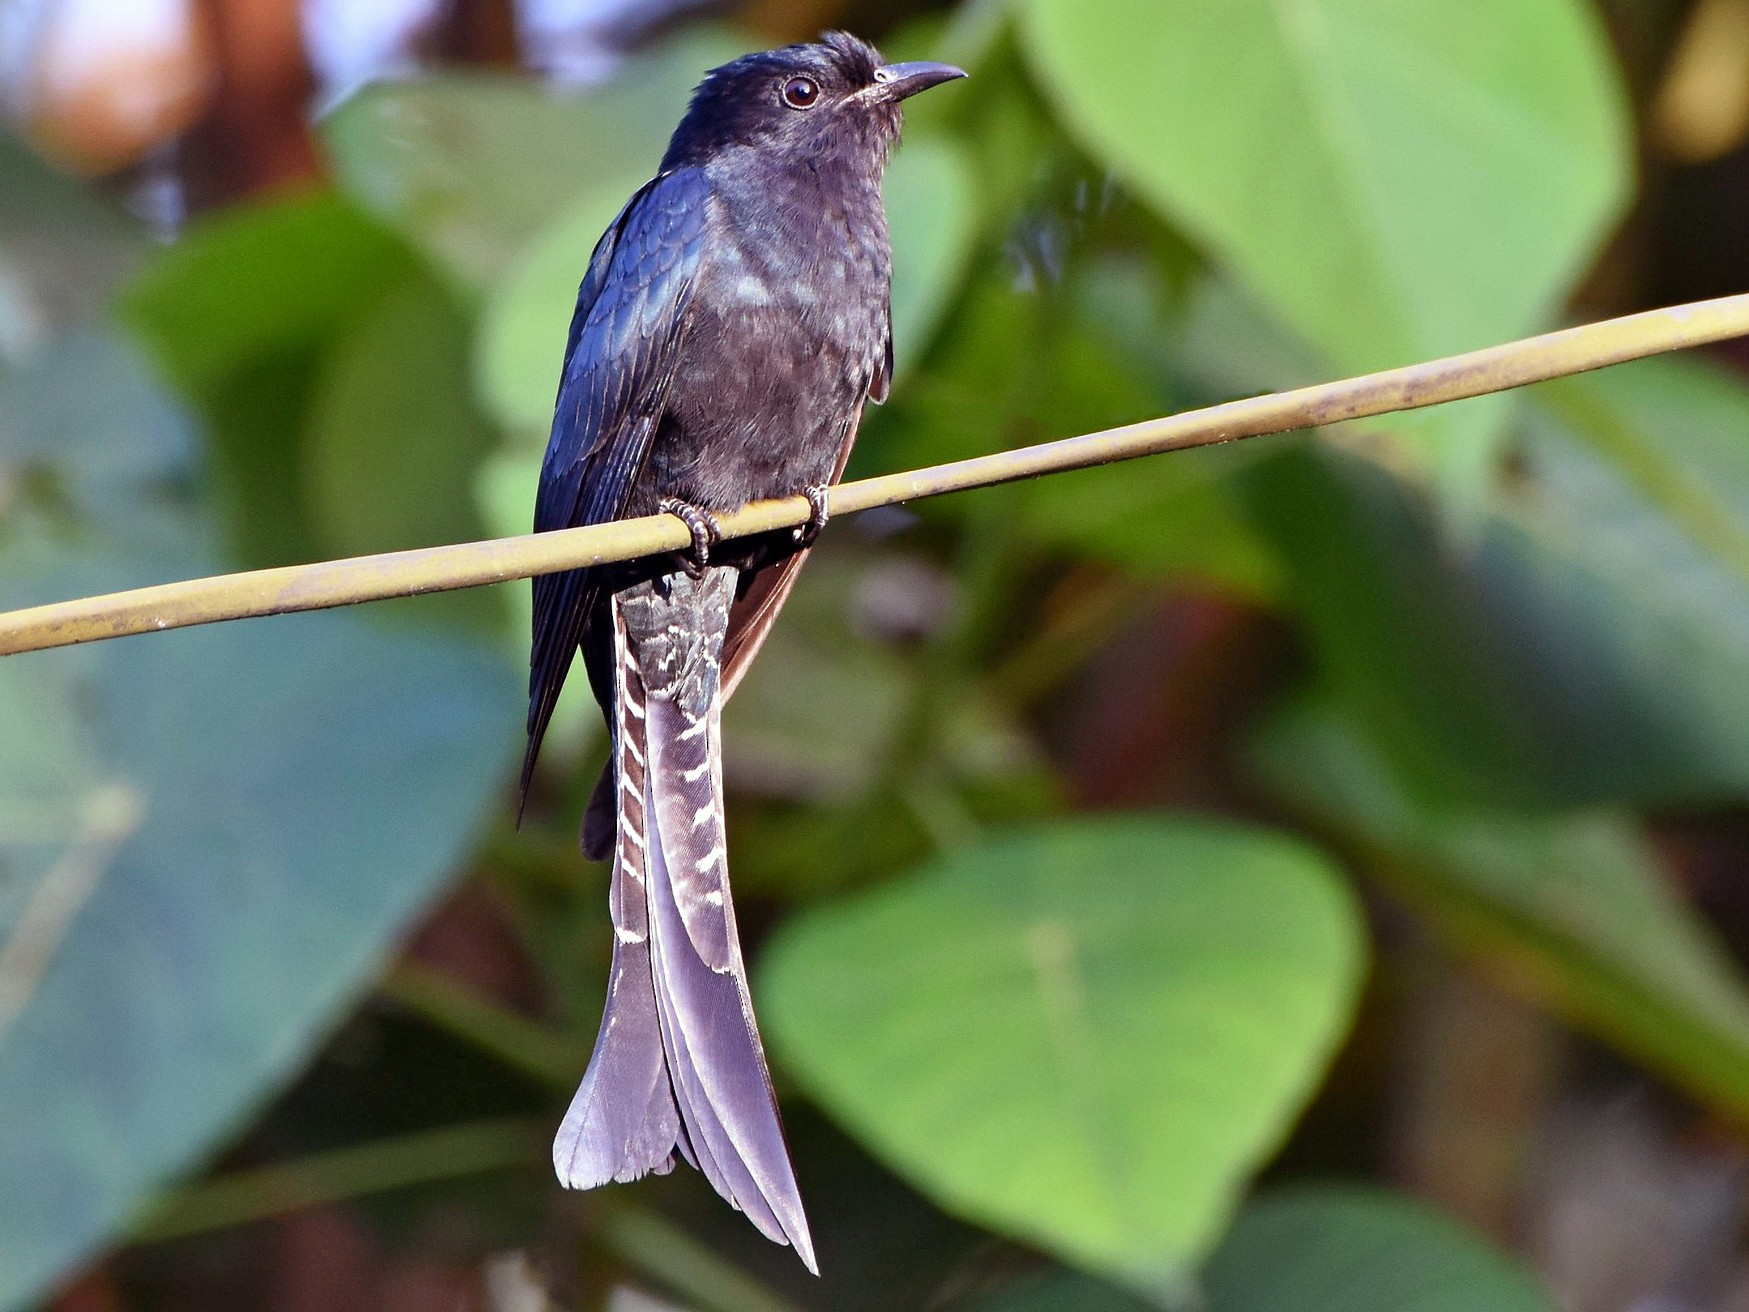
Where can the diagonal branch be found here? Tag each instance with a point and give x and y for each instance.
(469, 565)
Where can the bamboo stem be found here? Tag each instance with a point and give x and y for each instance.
(468, 565)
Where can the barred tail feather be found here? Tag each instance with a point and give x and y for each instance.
(623, 1121)
(721, 1082)
(687, 1019)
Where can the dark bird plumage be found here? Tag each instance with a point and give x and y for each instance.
(732, 323)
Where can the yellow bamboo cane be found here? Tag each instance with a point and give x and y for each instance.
(468, 565)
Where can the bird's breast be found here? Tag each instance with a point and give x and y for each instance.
(786, 327)
(802, 240)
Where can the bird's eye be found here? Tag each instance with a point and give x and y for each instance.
(801, 92)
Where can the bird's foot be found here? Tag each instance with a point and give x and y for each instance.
(818, 514)
(703, 526)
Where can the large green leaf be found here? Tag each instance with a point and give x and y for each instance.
(1016, 366)
(1064, 1291)
(213, 839)
(331, 370)
(1396, 179)
(62, 247)
(1574, 905)
(1587, 642)
(470, 168)
(1086, 1035)
(257, 279)
(1331, 1249)
(239, 315)
(393, 439)
(1674, 427)
(519, 344)
(932, 217)
(208, 839)
(1312, 1248)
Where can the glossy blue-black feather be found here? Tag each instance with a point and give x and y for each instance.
(619, 359)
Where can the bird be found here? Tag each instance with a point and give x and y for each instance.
(733, 322)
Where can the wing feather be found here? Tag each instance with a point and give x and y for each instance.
(620, 357)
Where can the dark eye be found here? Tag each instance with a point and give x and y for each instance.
(801, 92)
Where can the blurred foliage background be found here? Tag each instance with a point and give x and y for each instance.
(1306, 876)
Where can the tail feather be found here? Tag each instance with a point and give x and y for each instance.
(623, 1121)
(715, 1057)
(678, 1065)
(713, 1145)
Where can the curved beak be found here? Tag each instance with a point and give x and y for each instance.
(897, 81)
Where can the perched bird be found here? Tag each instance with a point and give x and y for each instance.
(732, 323)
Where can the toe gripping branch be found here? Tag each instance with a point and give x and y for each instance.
(703, 526)
(818, 514)
(707, 532)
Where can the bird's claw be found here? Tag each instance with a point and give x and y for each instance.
(819, 512)
(703, 526)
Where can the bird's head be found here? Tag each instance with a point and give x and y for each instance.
(832, 94)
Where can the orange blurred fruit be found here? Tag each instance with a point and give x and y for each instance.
(108, 81)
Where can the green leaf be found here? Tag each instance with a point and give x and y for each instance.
(393, 439)
(1064, 1291)
(62, 248)
(520, 343)
(1574, 906)
(1579, 646)
(1362, 166)
(84, 417)
(239, 315)
(1335, 1249)
(331, 371)
(1674, 428)
(1085, 1035)
(1017, 366)
(470, 168)
(208, 839)
(932, 218)
(1173, 516)
(255, 280)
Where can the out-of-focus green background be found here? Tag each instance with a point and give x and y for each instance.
(1309, 876)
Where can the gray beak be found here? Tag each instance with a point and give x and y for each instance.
(897, 81)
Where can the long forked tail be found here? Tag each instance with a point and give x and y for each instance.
(678, 1064)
